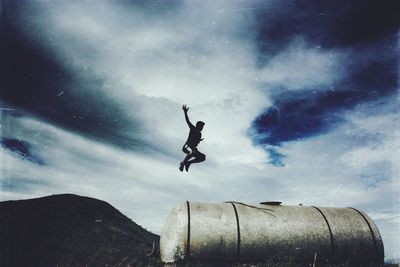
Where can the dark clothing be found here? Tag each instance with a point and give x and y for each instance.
(193, 153)
(198, 156)
(193, 138)
(190, 147)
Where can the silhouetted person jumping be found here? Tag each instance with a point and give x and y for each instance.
(190, 147)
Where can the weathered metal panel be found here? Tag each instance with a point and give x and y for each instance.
(174, 236)
(380, 254)
(213, 235)
(282, 233)
(353, 238)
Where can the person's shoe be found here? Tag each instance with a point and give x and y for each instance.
(187, 165)
(181, 165)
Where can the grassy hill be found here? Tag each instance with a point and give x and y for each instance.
(70, 230)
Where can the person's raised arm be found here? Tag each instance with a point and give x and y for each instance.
(185, 110)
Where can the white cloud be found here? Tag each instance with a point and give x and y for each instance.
(300, 66)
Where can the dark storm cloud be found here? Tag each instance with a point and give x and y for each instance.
(366, 30)
(33, 80)
(329, 24)
(303, 113)
(275, 158)
(17, 184)
(22, 149)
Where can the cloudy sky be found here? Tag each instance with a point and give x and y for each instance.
(300, 101)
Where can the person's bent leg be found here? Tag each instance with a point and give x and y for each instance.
(189, 155)
(198, 157)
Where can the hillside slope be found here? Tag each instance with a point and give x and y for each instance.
(70, 230)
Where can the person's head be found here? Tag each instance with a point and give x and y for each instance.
(200, 125)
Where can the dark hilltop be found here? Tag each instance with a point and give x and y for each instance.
(70, 230)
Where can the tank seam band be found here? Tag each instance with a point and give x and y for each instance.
(330, 231)
(238, 232)
(188, 233)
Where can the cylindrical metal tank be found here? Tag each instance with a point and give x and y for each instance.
(270, 232)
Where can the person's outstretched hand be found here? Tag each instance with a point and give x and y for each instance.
(185, 108)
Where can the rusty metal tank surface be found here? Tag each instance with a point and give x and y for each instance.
(237, 232)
